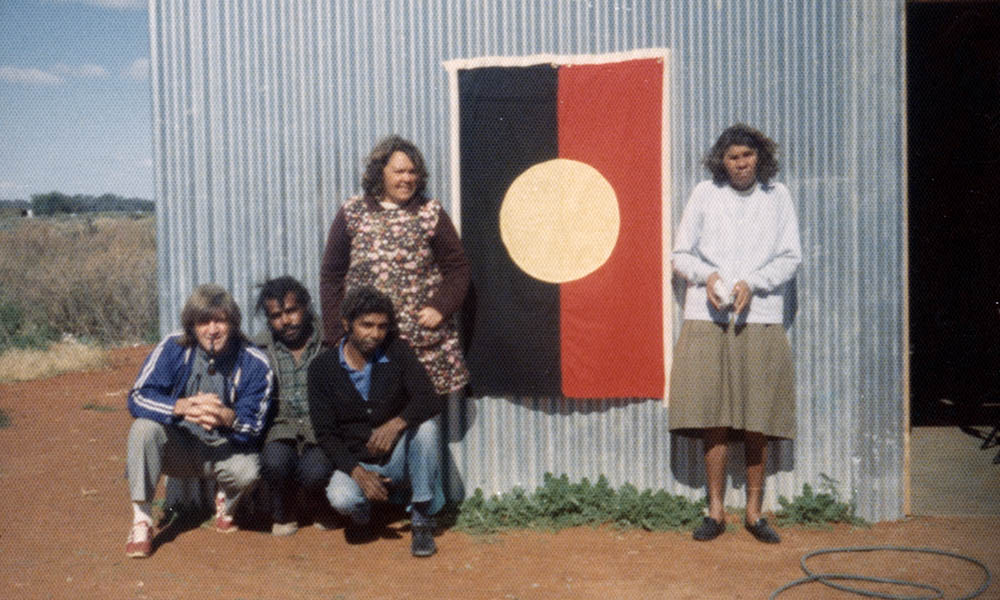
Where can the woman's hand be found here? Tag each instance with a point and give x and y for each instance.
(716, 301)
(742, 294)
(429, 317)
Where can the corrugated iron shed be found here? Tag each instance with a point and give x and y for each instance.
(263, 111)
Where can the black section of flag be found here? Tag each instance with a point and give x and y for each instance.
(508, 123)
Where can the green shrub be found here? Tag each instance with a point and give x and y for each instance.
(811, 509)
(558, 504)
(17, 332)
(94, 278)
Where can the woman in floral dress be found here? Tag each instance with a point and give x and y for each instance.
(399, 241)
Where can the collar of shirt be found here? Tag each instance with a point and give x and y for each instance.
(312, 348)
(362, 379)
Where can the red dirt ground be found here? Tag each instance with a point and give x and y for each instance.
(65, 516)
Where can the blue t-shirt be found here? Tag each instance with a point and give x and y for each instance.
(362, 379)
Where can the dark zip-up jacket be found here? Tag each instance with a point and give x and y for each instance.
(343, 420)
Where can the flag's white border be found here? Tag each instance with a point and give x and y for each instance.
(666, 217)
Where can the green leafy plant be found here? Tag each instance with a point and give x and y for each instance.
(17, 332)
(817, 510)
(559, 504)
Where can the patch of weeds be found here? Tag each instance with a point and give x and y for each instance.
(817, 510)
(4, 419)
(559, 504)
(17, 332)
(99, 407)
(151, 335)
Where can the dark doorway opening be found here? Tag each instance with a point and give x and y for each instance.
(953, 104)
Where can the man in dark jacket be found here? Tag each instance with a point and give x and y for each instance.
(372, 408)
(200, 405)
(291, 460)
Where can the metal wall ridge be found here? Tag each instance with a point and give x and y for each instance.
(263, 112)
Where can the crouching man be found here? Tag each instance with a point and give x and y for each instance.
(372, 407)
(200, 406)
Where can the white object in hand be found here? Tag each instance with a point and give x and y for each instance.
(725, 296)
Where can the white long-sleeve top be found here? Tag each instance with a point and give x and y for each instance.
(751, 235)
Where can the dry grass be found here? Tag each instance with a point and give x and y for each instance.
(93, 277)
(61, 357)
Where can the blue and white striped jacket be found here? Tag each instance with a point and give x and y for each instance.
(164, 376)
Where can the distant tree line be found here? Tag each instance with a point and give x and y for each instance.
(56, 202)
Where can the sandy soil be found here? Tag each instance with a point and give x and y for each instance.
(66, 514)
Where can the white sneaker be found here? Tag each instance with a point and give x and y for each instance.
(283, 529)
(140, 540)
(223, 521)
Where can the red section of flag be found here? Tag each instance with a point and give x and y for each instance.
(612, 320)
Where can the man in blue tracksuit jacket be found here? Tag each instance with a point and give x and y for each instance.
(201, 406)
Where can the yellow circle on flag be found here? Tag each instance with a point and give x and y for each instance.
(559, 220)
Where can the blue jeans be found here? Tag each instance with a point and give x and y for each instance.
(415, 462)
(284, 470)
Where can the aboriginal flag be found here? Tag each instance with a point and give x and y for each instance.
(565, 221)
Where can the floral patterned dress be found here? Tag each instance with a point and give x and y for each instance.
(390, 251)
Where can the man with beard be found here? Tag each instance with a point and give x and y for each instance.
(200, 405)
(291, 460)
(372, 407)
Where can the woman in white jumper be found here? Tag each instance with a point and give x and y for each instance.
(738, 248)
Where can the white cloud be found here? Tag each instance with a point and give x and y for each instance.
(88, 70)
(30, 76)
(139, 69)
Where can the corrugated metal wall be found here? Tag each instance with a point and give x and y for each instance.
(263, 111)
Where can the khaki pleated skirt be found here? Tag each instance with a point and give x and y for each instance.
(736, 376)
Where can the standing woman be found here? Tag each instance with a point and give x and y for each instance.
(402, 243)
(738, 248)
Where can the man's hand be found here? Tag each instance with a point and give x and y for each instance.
(716, 301)
(371, 483)
(205, 410)
(384, 437)
(742, 292)
(429, 317)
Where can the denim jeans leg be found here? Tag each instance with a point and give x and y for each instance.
(277, 468)
(346, 498)
(423, 465)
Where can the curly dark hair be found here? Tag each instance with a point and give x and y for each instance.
(743, 135)
(372, 179)
(278, 288)
(365, 300)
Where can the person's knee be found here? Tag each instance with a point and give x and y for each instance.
(314, 471)
(144, 432)
(344, 496)
(277, 461)
(241, 471)
(427, 435)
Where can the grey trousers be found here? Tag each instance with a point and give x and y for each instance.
(155, 449)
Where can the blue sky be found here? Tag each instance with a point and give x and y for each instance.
(75, 112)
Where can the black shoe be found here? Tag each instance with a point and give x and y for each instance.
(423, 540)
(360, 534)
(763, 532)
(709, 529)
